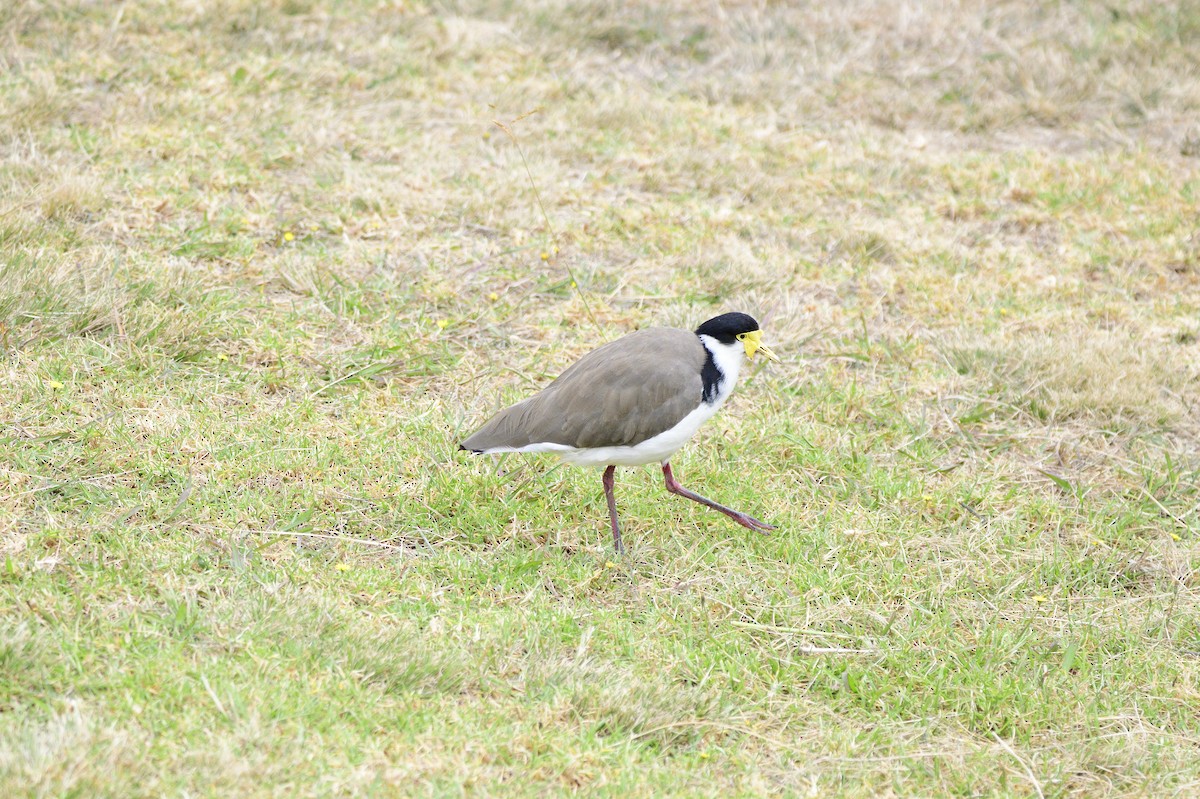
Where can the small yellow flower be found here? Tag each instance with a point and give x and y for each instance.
(222, 356)
(608, 564)
(1175, 536)
(55, 385)
(1004, 312)
(493, 296)
(574, 285)
(343, 567)
(289, 236)
(1038, 598)
(314, 227)
(704, 755)
(487, 134)
(442, 323)
(545, 256)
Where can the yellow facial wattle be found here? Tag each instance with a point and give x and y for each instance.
(752, 341)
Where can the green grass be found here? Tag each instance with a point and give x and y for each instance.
(262, 265)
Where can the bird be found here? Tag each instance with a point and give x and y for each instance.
(632, 402)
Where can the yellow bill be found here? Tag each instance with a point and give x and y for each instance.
(752, 341)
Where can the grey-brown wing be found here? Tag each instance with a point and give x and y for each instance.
(618, 395)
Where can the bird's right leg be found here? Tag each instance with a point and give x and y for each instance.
(612, 508)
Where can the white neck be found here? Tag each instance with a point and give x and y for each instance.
(728, 358)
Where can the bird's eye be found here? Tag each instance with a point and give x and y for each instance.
(741, 336)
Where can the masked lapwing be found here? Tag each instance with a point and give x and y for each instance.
(631, 402)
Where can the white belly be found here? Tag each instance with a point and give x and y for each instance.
(652, 450)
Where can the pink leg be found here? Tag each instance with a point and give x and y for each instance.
(745, 520)
(612, 508)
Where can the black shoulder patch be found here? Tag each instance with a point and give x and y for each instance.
(712, 377)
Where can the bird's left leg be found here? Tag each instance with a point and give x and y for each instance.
(744, 519)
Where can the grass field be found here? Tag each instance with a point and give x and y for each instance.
(263, 264)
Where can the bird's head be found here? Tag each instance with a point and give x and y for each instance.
(730, 327)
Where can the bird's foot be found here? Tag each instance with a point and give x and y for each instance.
(749, 522)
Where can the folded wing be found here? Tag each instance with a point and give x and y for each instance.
(617, 395)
